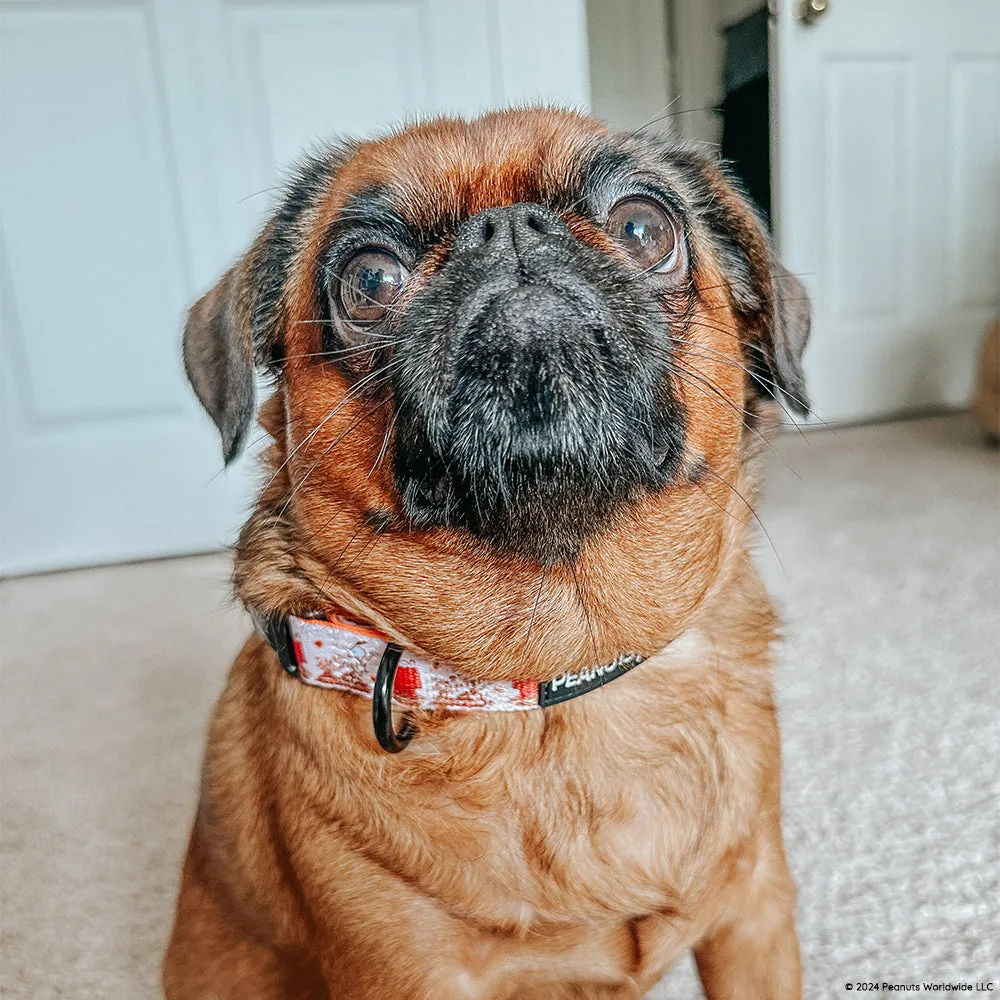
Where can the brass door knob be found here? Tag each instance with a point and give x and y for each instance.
(810, 11)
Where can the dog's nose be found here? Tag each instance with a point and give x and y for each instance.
(511, 229)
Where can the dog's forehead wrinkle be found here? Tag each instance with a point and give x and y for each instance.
(370, 214)
(438, 188)
(476, 166)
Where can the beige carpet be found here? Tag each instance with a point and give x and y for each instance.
(890, 694)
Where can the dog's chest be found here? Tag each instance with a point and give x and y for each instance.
(586, 838)
(600, 850)
(619, 834)
(620, 811)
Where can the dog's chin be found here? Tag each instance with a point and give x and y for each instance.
(544, 514)
(538, 489)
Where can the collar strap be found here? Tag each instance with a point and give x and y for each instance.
(343, 654)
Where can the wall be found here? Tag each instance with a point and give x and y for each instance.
(629, 60)
(699, 53)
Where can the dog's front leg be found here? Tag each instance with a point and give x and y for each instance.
(753, 952)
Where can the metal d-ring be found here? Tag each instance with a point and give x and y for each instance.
(389, 739)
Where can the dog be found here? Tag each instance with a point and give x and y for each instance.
(507, 727)
(985, 404)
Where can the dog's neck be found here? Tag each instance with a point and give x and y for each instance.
(555, 620)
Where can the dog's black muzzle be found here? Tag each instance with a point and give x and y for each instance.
(532, 389)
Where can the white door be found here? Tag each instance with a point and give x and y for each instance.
(141, 144)
(887, 172)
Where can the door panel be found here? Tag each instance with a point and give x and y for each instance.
(297, 84)
(541, 51)
(869, 120)
(103, 454)
(296, 74)
(886, 174)
(87, 72)
(144, 142)
(973, 195)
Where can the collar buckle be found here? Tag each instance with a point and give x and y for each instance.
(278, 634)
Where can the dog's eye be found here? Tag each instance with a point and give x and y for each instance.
(647, 231)
(369, 284)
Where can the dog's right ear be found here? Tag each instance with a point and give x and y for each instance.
(241, 321)
(219, 359)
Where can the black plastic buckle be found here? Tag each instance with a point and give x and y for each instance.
(279, 636)
(389, 739)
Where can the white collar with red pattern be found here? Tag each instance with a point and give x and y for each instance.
(338, 652)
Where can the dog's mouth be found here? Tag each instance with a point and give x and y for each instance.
(533, 402)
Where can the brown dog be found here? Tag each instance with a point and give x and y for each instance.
(523, 368)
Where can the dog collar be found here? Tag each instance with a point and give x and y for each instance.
(338, 652)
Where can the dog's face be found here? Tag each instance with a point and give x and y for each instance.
(516, 348)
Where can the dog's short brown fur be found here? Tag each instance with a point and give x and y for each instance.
(574, 851)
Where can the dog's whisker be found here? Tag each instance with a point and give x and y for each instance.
(653, 119)
(364, 415)
(257, 194)
(710, 390)
(332, 568)
(669, 115)
(534, 609)
(777, 391)
(696, 380)
(363, 554)
(371, 333)
(746, 503)
(385, 443)
(352, 393)
(693, 347)
(389, 308)
(675, 362)
(586, 612)
(344, 352)
(343, 552)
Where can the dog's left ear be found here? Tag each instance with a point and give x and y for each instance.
(219, 360)
(240, 322)
(785, 341)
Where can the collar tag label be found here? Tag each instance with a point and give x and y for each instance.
(571, 685)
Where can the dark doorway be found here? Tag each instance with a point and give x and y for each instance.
(744, 109)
